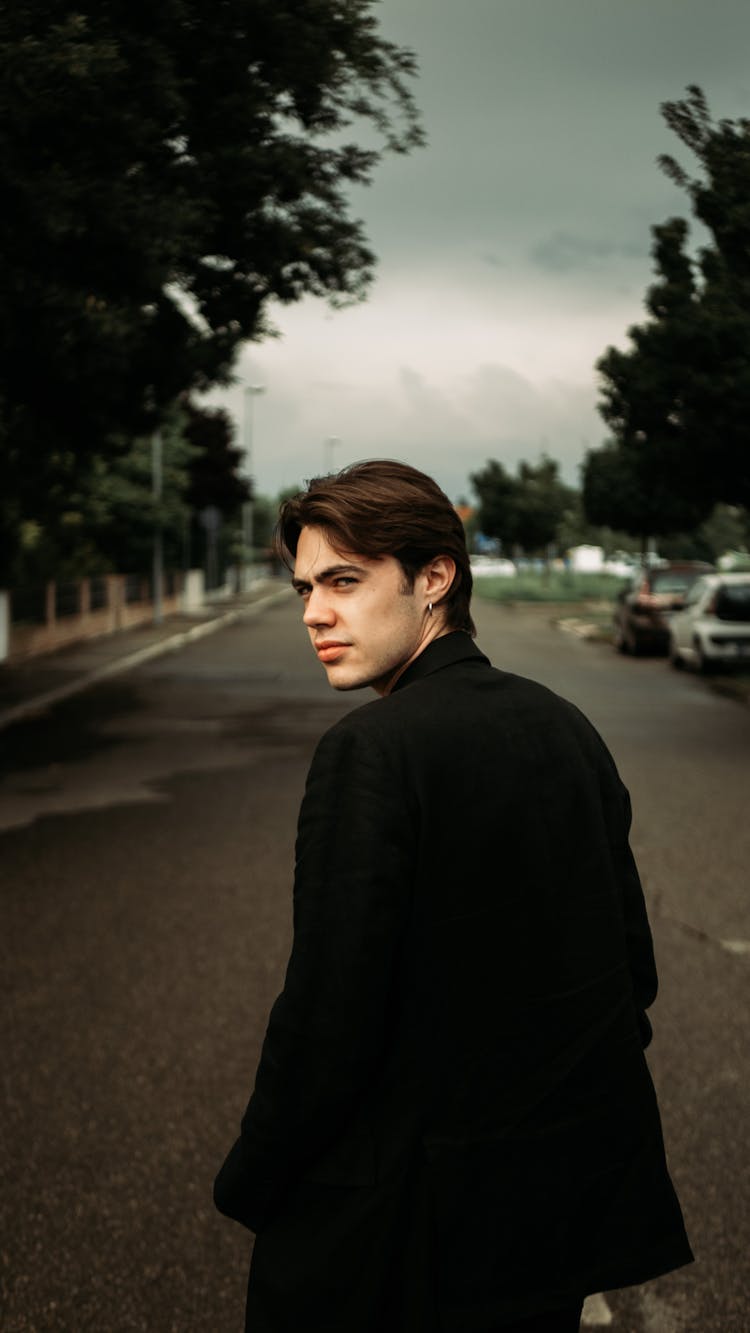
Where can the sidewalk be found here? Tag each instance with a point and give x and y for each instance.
(30, 687)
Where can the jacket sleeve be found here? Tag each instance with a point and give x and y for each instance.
(325, 1036)
(640, 948)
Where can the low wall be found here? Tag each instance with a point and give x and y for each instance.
(122, 605)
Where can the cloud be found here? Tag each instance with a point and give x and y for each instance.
(564, 252)
(512, 251)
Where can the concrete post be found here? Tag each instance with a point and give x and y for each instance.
(193, 591)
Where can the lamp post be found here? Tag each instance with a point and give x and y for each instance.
(329, 445)
(157, 593)
(251, 392)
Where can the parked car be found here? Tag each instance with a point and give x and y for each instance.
(621, 564)
(485, 565)
(644, 607)
(713, 629)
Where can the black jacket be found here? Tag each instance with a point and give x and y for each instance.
(453, 1121)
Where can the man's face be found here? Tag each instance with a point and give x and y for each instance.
(364, 622)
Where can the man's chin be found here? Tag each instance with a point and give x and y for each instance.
(340, 680)
(343, 685)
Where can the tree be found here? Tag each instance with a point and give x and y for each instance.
(525, 510)
(496, 491)
(111, 519)
(575, 529)
(677, 400)
(621, 492)
(108, 520)
(541, 500)
(718, 372)
(166, 172)
(727, 528)
(216, 492)
(214, 478)
(721, 197)
(266, 514)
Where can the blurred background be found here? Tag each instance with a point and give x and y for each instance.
(247, 243)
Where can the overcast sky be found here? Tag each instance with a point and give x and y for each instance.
(512, 250)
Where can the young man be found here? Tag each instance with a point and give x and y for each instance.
(453, 1126)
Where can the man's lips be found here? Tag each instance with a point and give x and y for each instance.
(329, 649)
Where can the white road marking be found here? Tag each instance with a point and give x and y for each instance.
(583, 629)
(596, 1312)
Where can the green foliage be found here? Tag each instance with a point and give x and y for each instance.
(677, 400)
(166, 171)
(623, 487)
(541, 501)
(117, 511)
(522, 511)
(106, 521)
(575, 529)
(214, 478)
(495, 489)
(266, 514)
(726, 529)
(721, 197)
(549, 586)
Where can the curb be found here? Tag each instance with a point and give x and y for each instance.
(726, 687)
(40, 704)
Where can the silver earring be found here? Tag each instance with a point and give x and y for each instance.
(429, 607)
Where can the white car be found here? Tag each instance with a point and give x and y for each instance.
(713, 628)
(484, 566)
(621, 565)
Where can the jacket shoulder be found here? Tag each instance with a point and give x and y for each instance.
(452, 702)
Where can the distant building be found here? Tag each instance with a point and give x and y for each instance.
(586, 559)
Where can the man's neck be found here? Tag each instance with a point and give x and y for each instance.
(385, 687)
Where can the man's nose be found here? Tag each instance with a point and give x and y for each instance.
(318, 609)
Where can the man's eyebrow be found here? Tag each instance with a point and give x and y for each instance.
(330, 573)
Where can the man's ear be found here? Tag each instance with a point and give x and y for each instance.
(438, 575)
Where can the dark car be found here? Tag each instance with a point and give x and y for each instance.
(645, 606)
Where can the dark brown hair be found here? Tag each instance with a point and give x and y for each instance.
(381, 508)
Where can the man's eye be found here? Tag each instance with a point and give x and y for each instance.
(343, 581)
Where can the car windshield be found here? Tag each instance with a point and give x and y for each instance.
(733, 602)
(672, 580)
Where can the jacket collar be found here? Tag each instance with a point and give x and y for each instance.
(457, 646)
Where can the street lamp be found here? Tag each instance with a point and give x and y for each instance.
(329, 445)
(251, 392)
(157, 477)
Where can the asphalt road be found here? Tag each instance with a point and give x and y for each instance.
(146, 832)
